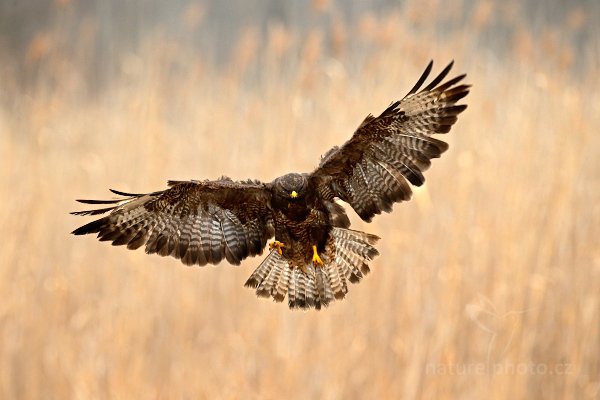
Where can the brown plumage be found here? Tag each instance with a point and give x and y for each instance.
(204, 222)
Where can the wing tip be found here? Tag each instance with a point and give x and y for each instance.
(120, 193)
(422, 79)
(91, 227)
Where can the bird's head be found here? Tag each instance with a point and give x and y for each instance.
(291, 187)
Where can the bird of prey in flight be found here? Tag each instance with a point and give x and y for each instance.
(314, 254)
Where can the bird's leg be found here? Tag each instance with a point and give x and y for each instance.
(316, 259)
(275, 244)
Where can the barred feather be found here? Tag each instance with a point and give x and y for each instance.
(369, 171)
(196, 222)
(262, 271)
(346, 259)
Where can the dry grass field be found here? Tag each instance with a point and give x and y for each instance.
(488, 283)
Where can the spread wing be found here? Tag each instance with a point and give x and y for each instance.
(370, 171)
(197, 222)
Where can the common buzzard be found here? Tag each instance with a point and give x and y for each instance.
(314, 254)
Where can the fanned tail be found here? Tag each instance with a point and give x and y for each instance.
(346, 258)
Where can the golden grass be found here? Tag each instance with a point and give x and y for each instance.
(488, 283)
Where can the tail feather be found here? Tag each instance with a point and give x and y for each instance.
(313, 295)
(323, 287)
(351, 266)
(281, 289)
(266, 287)
(300, 290)
(347, 255)
(262, 271)
(293, 288)
(337, 281)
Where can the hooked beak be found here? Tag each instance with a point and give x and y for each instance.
(294, 194)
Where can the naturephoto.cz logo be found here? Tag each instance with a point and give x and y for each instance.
(500, 330)
(502, 368)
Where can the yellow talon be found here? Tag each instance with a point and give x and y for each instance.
(276, 245)
(316, 259)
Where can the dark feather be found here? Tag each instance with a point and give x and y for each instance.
(98, 201)
(172, 222)
(422, 79)
(127, 194)
(439, 78)
(93, 212)
(399, 141)
(92, 227)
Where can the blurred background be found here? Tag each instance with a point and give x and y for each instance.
(488, 283)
